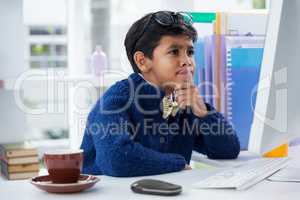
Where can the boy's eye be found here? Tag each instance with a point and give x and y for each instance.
(191, 52)
(174, 52)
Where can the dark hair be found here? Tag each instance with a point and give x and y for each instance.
(152, 35)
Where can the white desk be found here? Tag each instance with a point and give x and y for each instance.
(110, 188)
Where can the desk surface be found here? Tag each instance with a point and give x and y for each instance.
(110, 188)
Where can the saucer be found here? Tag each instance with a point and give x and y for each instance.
(45, 183)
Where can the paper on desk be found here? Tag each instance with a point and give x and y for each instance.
(288, 174)
(242, 159)
(200, 165)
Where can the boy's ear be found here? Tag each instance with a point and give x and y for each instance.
(141, 61)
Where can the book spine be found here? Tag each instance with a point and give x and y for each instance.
(20, 167)
(20, 153)
(21, 176)
(10, 175)
(208, 69)
(229, 85)
(21, 160)
(217, 61)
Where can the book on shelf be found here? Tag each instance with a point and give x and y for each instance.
(19, 168)
(13, 150)
(19, 175)
(21, 160)
(244, 67)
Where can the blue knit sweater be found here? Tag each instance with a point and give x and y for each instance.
(126, 134)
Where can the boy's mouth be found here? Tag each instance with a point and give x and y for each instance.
(184, 71)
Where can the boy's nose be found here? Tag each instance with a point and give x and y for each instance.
(186, 61)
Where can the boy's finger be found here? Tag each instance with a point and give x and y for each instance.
(181, 86)
(180, 92)
(189, 78)
(187, 167)
(187, 82)
(183, 92)
(184, 86)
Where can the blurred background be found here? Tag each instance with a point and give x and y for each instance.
(49, 52)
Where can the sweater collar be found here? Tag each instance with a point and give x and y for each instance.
(150, 95)
(145, 86)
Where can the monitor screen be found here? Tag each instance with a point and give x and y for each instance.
(276, 116)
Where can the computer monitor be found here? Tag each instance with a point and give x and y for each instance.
(276, 118)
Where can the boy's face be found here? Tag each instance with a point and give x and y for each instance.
(172, 61)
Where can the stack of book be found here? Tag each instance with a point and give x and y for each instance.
(18, 161)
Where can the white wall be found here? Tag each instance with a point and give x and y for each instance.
(11, 39)
(13, 127)
(41, 12)
(221, 5)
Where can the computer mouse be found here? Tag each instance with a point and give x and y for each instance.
(155, 187)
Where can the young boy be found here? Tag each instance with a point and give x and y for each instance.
(151, 122)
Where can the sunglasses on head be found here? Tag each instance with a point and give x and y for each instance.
(165, 18)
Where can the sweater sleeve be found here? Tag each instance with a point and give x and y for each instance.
(215, 136)
(116, 152)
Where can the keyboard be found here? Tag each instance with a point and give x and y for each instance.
(243, 176)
